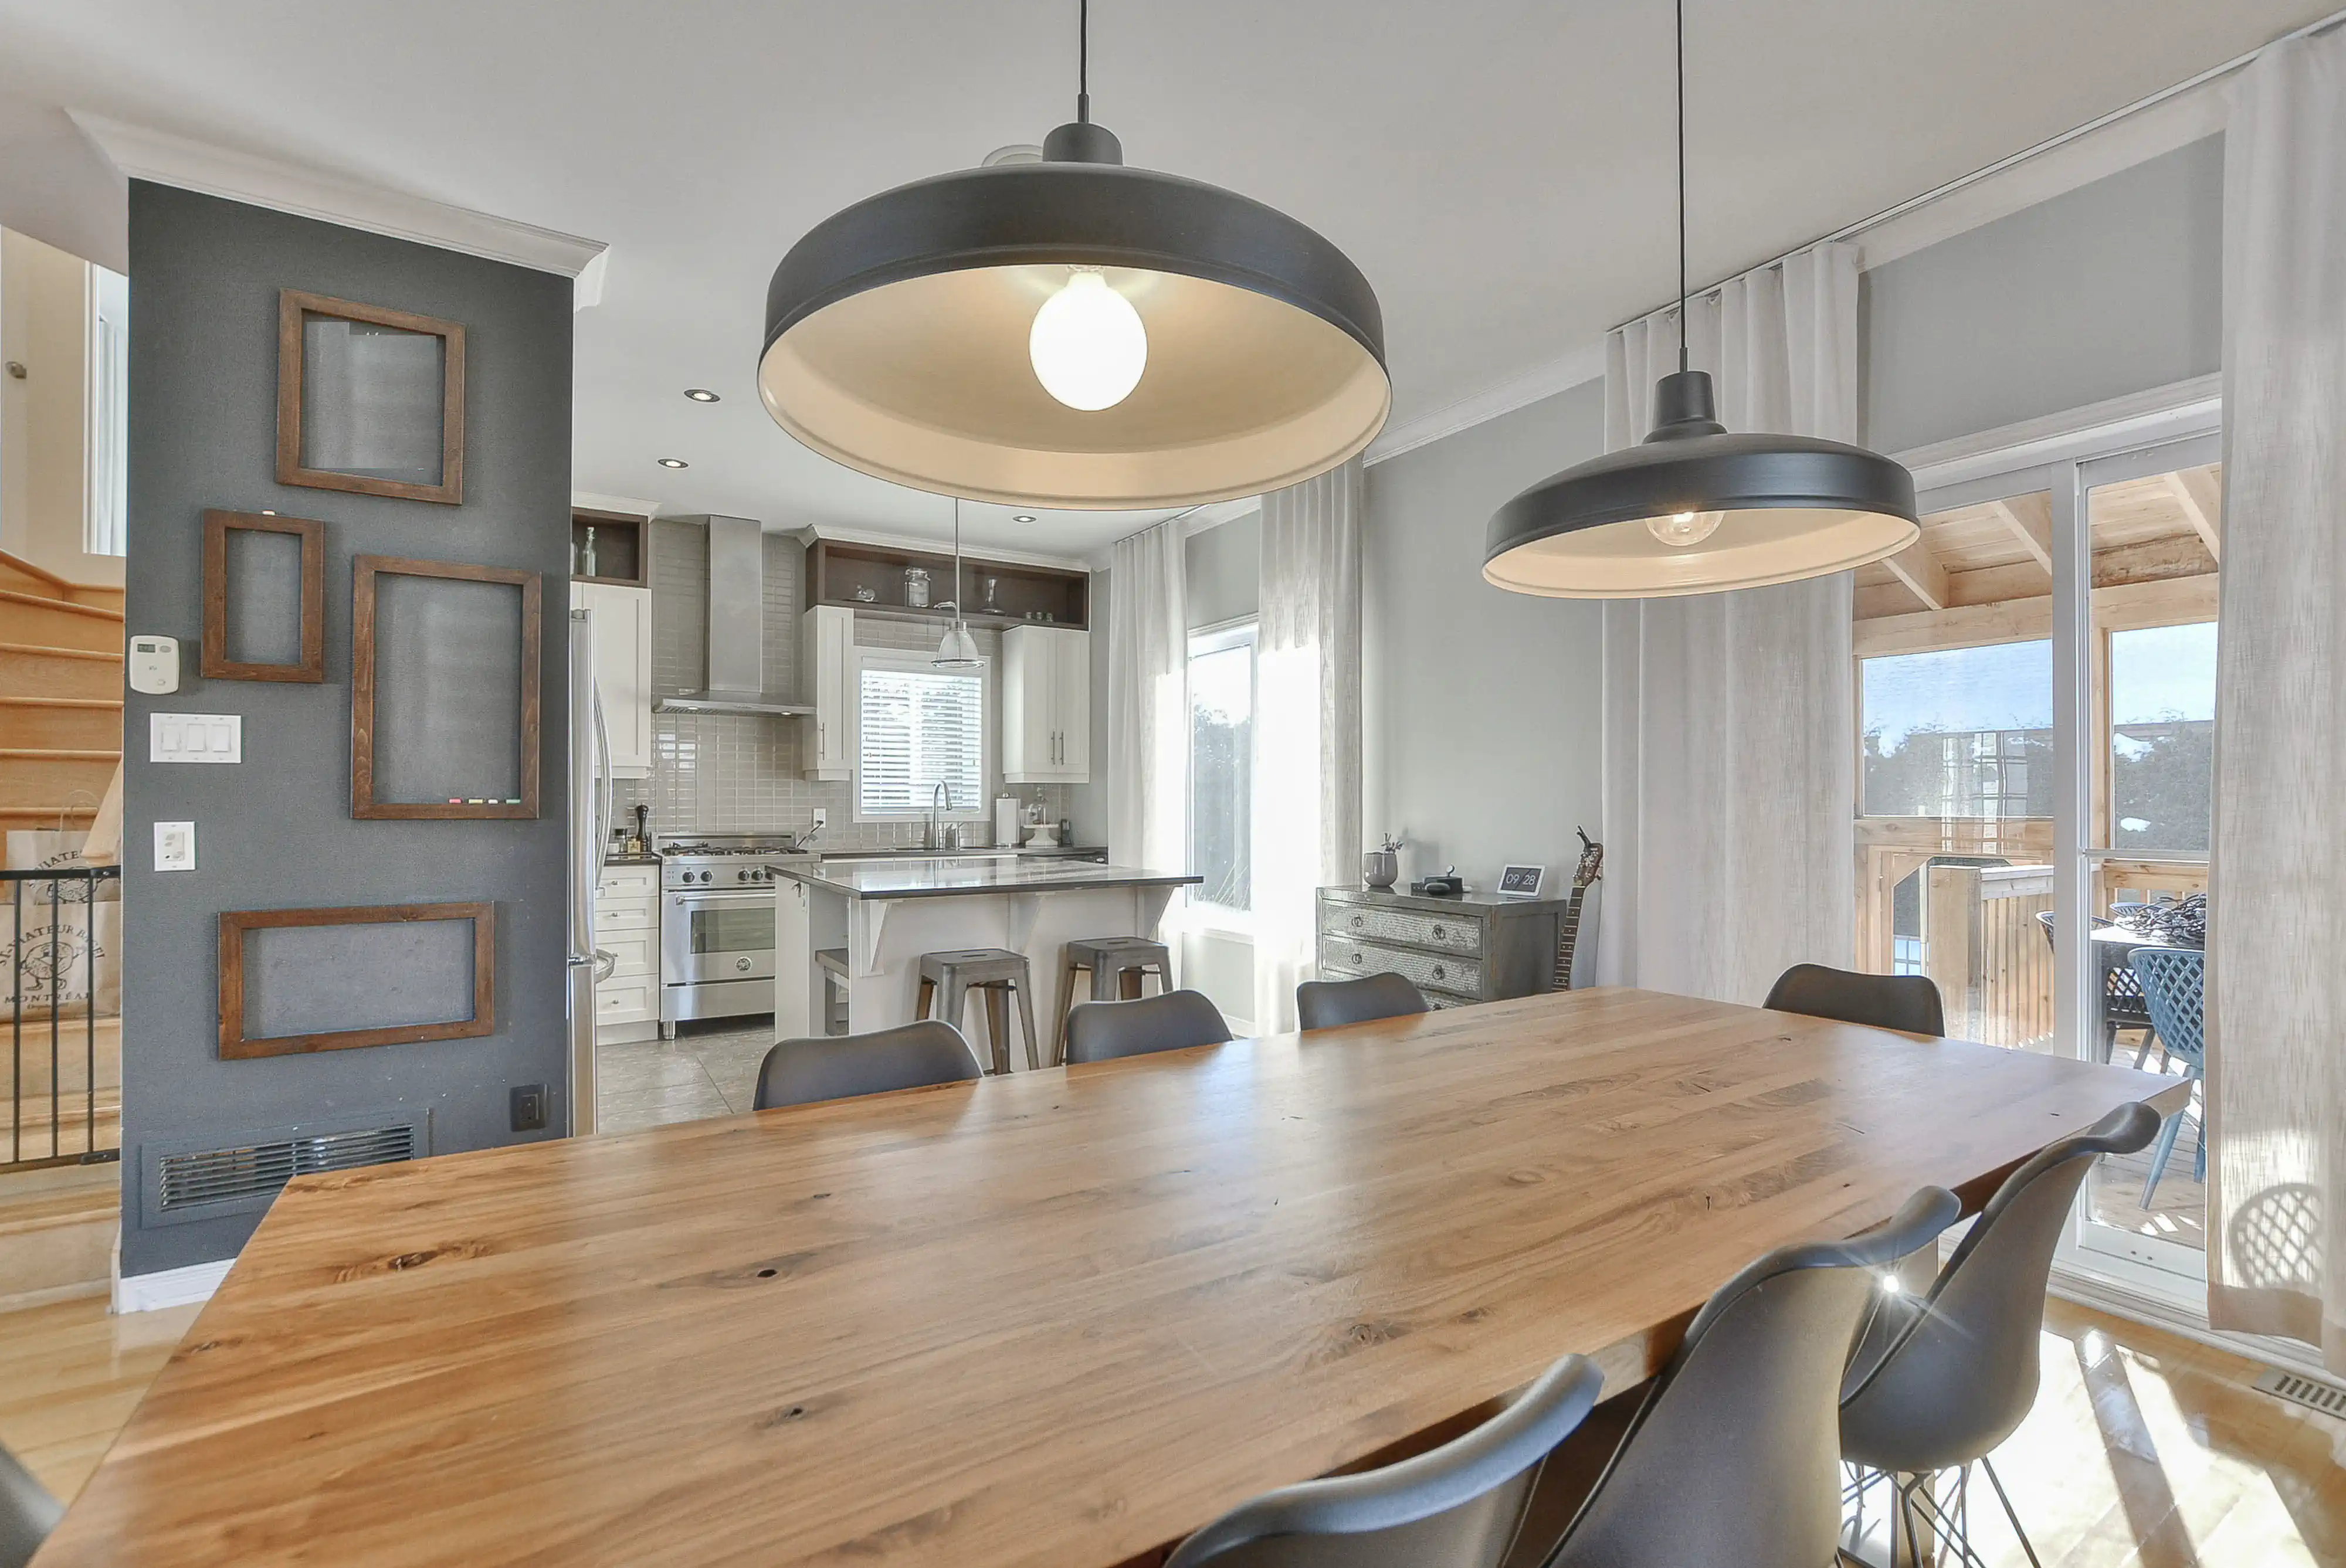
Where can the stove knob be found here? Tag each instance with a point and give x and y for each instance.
(741, 876)
(706, 875)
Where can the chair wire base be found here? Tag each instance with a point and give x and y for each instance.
(1916, 1503)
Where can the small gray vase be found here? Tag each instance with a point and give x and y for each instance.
(1379, 868)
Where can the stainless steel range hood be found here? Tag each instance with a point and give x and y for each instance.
(737, 628)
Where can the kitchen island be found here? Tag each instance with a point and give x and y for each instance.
(864, 924)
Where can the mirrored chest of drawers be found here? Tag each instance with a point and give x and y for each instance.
(1456, 951)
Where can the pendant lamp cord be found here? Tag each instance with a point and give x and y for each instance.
(1083, 62)
(957, 562)
(1682, 221)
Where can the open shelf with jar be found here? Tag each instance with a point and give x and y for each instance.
(918, 584)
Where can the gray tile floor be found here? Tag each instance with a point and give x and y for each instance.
(647, 1083)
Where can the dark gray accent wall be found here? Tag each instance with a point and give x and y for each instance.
(275, 832)
(2113, 288)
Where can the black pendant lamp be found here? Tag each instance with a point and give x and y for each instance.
(1074, 333)
(1692, 509)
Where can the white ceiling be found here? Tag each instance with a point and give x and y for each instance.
(1499, 169)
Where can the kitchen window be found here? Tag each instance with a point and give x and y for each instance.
(917, 727)
(1221, 769)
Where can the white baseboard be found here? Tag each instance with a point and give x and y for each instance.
(2106, 1295)
(169, 1287)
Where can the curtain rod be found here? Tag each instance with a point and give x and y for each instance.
(1963, 181)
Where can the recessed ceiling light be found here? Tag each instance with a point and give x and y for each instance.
(1022, 518)
(673, 462)
(702, 394)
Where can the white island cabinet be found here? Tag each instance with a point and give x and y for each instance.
(869, 922)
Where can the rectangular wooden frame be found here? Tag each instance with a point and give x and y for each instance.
(364, 570)
(234, 1045)
(292, 305)
(214, 663)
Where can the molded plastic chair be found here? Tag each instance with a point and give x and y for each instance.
(1104, 1031)
(840, 1066)
(28, 1513)
(1907, 1001)
(1938, 1380)
(1733, 1455)
(1333, 1003)
(2175, 986)
(1457, 1506)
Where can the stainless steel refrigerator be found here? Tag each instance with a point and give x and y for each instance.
(590, 823)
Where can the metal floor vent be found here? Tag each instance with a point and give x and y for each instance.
(225, 1176)
(2303, 1390)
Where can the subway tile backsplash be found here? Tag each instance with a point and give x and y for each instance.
(735, 773)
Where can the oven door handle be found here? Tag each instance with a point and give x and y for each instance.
(728, 896)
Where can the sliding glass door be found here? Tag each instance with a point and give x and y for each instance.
(2035, 684)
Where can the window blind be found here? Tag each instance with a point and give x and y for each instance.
(919, 729)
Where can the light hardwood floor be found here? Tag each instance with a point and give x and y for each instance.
(2145, 1449)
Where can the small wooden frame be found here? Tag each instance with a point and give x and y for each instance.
(214, 663)
(235, 924)
(621, 559)
(293, 309)
(366, 572)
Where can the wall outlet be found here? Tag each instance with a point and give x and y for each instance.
(528, 1107)
(821, 816)
(175, 846)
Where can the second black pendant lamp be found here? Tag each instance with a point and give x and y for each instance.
(1692, 509)
(1072, 332)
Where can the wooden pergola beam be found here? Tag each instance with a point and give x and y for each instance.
(2194, 493)
(1922, 571)
(2032, 534)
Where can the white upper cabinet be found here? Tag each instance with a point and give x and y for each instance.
(827, 672)
(623, 670)
(1047, 705)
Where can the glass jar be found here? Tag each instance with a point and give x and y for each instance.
(916, 588)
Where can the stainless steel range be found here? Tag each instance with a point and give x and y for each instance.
(717, 925)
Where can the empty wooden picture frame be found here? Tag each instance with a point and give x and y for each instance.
(264, 614)
(444, 689)
(369, 400)
(335, 979)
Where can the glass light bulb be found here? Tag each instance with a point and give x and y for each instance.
(1088, 344)
(1681, 529)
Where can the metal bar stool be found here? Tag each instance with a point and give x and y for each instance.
(1116, 964)
(1000, 975)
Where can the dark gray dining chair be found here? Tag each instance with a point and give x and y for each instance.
(28, 1513)
(1940, 1379)
(1456, 1506)
(1731, 1455)
(1333, 1003)
(1907, 1001)
(837, 1067)
(1104, 1031)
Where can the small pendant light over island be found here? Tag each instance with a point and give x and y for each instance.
(1075, 333)
(1693, 509)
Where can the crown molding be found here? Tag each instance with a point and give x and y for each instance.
(1586, 363)
(139, 153)
(626, 506)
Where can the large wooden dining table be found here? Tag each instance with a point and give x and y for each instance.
(1058, 1317)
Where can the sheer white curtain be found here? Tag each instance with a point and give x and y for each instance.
(1307, 725)
(1147, 701)
(2276, 1000)
(1729, 770)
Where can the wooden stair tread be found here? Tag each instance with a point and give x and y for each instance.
(94, 612)
(8, 700)
(59, 754)
(50, 650)
(46, 1208)
(38, 815)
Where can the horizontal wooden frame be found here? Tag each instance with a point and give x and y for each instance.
(213, 662)
(364, 570)
(292, 304)
(234, 1044)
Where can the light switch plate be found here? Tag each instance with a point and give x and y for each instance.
(195, 737)
(175, 846)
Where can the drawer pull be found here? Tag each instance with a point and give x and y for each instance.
(1357, 959)
(1440, 972)
(1358, 922)
(1437, 934)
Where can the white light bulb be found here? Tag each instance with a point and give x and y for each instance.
(1682, 529)
(1087, 343)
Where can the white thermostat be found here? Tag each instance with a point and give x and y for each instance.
(155, 664)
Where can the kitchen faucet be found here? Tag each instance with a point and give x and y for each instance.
(938, 792)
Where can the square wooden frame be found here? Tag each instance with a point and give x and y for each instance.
(235, 1046)
(213, 663)
(364, 570)
(292, 305)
